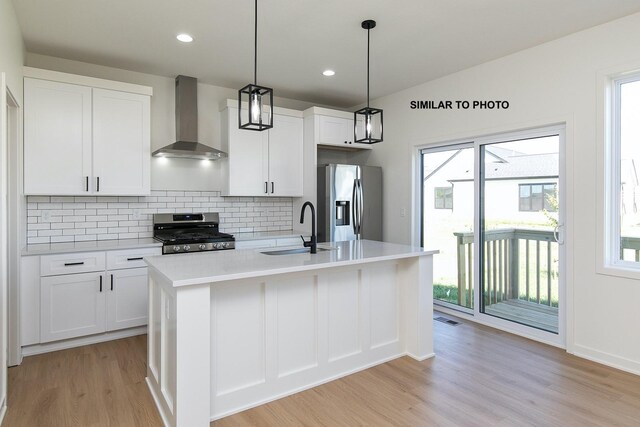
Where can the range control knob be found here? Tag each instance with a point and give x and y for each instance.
(202, 247)
(225, 244)
(176, 248)
(187, 248)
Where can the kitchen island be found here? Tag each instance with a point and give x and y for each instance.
(235, 329)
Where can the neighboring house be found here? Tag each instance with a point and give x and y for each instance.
(518, 187)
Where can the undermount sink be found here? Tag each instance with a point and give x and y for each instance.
(297, 251)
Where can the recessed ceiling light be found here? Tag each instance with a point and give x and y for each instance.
(185, 38)
(328, 73)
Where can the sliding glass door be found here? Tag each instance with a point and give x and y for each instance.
(519, 258)
(448, 222)
(493, 207)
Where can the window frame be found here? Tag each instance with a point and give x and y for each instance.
(530, 198)
(444, 198)
(613, 254)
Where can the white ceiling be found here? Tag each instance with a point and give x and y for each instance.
(415, 40)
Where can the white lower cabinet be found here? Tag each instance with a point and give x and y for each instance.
(74, 303)
(71, 306)
(127, 298)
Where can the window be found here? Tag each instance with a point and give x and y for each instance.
(625, 155)
(538, 197)
(443, 197)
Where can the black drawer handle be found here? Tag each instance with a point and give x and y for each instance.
(135, 259)
(101, 283)
(69, 264)
(112, 282)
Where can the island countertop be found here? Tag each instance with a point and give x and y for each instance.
(219, 266)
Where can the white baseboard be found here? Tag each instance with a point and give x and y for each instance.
(78, 342)
(607, 359)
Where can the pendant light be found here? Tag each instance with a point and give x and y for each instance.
(367, 122)
(259, 99)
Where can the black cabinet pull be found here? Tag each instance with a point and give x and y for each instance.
(266, 187)
(69, 264)
(87, 183)
(97, 184)
(135, 259)
(101, 283)
(272, 187)
(112, 282)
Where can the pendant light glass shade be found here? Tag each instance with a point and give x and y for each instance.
(255, 103)
(367, 122)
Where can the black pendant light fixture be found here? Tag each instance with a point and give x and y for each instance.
(367, 122)
(259, 99)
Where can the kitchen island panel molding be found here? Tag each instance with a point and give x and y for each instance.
(270, 336)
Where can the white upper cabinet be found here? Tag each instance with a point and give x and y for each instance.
(81, 139)
(57, 137)
(121, 153)
(267, 163)
(333, 129)
(285, 156)
(247, 165)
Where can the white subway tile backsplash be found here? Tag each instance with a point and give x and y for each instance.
(90, 218)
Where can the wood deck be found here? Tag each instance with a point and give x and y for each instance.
(479, 377)
(531, 314)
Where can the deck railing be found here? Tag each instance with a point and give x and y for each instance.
(518, 264)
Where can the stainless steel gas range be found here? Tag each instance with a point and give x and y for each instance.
(190, 232)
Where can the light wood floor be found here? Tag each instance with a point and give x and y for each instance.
(480, 377)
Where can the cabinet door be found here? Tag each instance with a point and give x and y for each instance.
(71, 306)
(335, 131)
(126, 298)
(121, 143)
(285, 157)
(248, 159)
(57, 138)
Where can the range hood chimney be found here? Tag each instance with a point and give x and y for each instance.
(187, 145)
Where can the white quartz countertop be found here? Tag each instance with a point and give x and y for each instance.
(210, 267)
(94, 245)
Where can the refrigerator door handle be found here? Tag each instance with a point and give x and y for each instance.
(360, 206)
(354, 215)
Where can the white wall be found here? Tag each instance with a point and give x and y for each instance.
(174, 174)
(11, 49)
(551, 83)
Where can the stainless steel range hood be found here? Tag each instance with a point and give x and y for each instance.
(187, 145)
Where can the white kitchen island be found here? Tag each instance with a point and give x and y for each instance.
(230, 330)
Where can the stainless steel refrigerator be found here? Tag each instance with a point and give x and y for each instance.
(349, 203)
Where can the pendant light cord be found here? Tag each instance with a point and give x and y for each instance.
(255, 45)
(368, 43)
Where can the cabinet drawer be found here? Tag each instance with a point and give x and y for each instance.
(130, 258)
(85, 262)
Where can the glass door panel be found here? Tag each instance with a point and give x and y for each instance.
(447, 214)
(519, 260)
